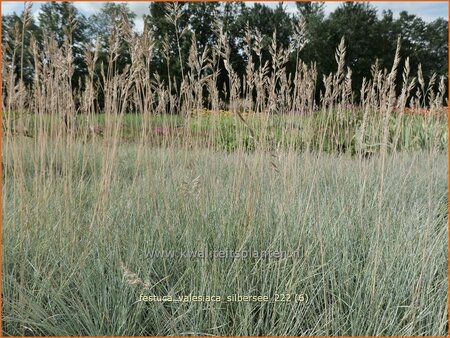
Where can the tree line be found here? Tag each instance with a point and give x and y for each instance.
(370, 37)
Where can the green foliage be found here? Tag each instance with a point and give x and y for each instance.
(323, 131)
(62, 20)
(14, 36)
(368, 37)
(357, 23)
(201, 21)
(102, 25)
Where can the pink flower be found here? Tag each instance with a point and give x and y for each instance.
(159, 130)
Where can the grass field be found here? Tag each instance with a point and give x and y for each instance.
(370, 264)
(320, 131)
(276, 215)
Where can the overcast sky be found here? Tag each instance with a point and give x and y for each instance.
(428, 11)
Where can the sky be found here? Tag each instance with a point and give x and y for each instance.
(427, 10)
